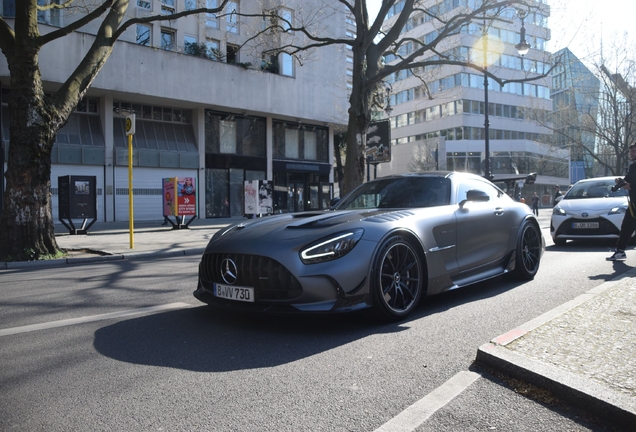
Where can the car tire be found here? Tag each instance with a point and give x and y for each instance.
(528, 253)
(397, 279)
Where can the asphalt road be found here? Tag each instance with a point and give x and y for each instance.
(89, 348)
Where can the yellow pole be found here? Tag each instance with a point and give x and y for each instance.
(131, 224)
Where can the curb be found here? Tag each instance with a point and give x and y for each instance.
(107, 257)
(594, 398)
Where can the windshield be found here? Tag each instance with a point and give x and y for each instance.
(404, 192)
(594, 189)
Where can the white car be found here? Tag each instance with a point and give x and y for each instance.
(589, 210)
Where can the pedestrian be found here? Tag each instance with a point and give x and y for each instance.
(557, 194)
(628, 226)
(535, 204)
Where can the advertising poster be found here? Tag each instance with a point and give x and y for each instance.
(265, 197)
(169, 197)
(251, 203)
(187, 197)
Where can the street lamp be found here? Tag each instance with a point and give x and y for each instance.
(522, 48)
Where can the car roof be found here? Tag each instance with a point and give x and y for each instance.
(444, 174)
(608, 178)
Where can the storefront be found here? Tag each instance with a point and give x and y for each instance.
(236, 151)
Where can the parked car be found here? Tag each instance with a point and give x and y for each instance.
(589, 210)
(384, 246)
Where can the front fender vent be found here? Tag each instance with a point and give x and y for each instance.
(390, 217)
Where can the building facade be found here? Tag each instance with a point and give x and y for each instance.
(442, 121)
(210, 102)
(575, 94)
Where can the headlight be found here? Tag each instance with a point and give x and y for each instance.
(618, 210)
(558, 211)
(331, 248)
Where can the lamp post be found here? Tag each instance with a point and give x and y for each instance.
(522, 48)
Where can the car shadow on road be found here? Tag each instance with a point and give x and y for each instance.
(209, 340)
(205, 339)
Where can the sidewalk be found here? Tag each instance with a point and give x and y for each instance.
(107, 241)
(583, 351)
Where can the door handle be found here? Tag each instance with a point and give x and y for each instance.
(499, 211)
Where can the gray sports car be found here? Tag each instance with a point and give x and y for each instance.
(383, 246)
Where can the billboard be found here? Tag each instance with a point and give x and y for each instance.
(258, 197)
(379, 142)
(179, 196)
(77, 197)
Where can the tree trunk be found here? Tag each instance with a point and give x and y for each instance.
(27, 225)
(355, 159)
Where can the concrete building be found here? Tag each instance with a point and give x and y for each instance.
(210, 104)
(441, 123)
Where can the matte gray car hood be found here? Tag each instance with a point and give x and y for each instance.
(297, 225)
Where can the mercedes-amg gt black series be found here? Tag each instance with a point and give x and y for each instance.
(384, 246)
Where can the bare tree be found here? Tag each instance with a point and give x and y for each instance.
(371, 44)
(36, 117)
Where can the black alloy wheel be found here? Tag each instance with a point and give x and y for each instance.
(397, 279)
(528, 251)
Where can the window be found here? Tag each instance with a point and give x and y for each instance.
(8, 8)
(287, 20)
(286, 64)
(190, 46)
(143, 4)
(228, 137)
(168, 7)
(190, 4)
(269, 63)
(232, 55)
(168, 39)
(212, 49)
(231, 19)
(311, 145)
(210, 18)
(233, 134)
(291, 143)
(143, 35)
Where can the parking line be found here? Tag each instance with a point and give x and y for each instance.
(409, 419)
(92, 318)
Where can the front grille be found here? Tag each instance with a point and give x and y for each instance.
(270, 279)
(605, 227)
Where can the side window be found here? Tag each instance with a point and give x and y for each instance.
(473, 184)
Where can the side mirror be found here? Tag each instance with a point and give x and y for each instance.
(476, 196)
(333, 202)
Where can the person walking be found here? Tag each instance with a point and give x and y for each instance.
(535, 204)
(628, 226)
(556, 195)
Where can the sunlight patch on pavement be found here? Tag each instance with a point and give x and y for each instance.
(92, 318)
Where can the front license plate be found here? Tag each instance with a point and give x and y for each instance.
(230, 292)
(585, 225)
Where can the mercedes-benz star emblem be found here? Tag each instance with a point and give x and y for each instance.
(229, 272)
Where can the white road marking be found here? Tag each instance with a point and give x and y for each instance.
(409, 419)
(92, 318)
